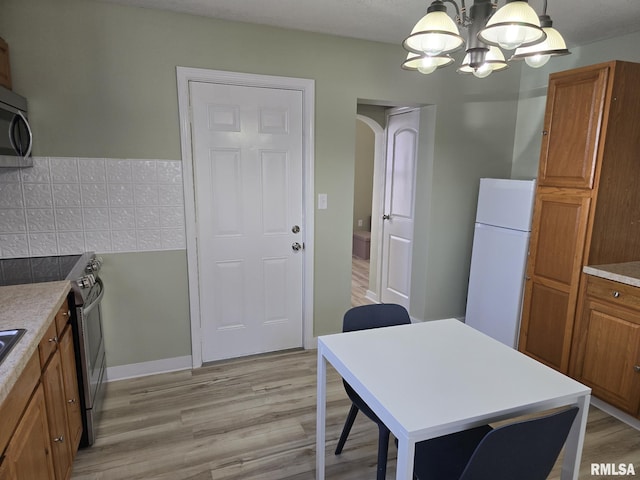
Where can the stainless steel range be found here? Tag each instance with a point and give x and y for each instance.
(86, 319)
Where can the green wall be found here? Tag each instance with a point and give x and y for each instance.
(533, 95)
(100, 80)
(144, 309)
(363, 176)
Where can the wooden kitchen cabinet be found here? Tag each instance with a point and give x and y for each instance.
(560, 226)
(72, 396)
(573, 118)
(41, 417)
(606, 344)
(53, 382)
(586, 196)
(29, 453)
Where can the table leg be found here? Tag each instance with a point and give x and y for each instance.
(575, 441)
(321, 407)
(404, 466)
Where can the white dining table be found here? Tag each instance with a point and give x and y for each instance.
(428, 379)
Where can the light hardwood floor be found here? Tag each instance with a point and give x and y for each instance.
(359, 281)
(254, 418)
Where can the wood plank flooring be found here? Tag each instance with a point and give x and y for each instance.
(254, 418)
(359, 281)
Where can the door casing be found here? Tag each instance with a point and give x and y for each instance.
(307, 87)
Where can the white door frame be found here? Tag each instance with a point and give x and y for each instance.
(377, 201)
(307, 87)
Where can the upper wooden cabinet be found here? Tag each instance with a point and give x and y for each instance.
(572, 123)
(587, 198)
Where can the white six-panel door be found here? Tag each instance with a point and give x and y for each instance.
(248, 181)
(397, 242)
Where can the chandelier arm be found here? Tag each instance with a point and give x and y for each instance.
(544, 8)
(460, 17)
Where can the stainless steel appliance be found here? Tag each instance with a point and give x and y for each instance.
(86, 319)
(15, 133)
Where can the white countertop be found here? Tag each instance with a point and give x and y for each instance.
(31, 307)
(627, 273)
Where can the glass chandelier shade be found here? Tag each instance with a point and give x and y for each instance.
(539, 54)
(425, 63)
(494, 62)
(435, 34)
(514, 25)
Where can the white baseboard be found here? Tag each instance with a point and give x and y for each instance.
(371, 296)
(153, 367)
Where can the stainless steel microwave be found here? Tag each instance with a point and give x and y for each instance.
(15, 133)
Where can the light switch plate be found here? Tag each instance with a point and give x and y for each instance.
(322, 201)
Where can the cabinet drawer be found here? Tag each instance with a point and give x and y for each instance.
(62, 317)
(48, 344)
(613, 292)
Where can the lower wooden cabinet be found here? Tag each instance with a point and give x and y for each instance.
(41, 418)
(72, 396)
(553, 275)
(53, 381)
(606, 343)
(28, 455)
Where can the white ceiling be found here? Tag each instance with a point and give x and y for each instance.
(390, 21)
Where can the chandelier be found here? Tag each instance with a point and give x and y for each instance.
(515, 26)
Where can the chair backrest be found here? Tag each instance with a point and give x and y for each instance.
(524, 450)
(377, 315)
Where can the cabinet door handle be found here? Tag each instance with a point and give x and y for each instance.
(72, 400)
(615, 294)
(59, 439)
(53, 340)
(636, 368)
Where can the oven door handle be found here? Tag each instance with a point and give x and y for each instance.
(86, 310)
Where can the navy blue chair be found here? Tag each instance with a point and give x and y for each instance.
(363, 318)
(525, 450)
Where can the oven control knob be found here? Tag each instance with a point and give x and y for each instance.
(86, 281)
(94, 265)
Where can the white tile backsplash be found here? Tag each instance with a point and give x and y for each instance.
(92, 170)
(118, 171)
(42, 244)
(12, 220)
(11, 195)
(39, 173)
(66, 205)
(40, 220)
(37, 195)
(123, 218)
(70, 243)
(120, 195)
(14, 245)
(124, 240)
(94, 195)
(64, 170)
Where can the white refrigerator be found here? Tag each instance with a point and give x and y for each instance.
(499, 257)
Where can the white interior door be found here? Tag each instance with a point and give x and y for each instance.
(397, 242)
(248, 182)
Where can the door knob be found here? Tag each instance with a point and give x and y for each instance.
(295, 229)
(296, 247)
